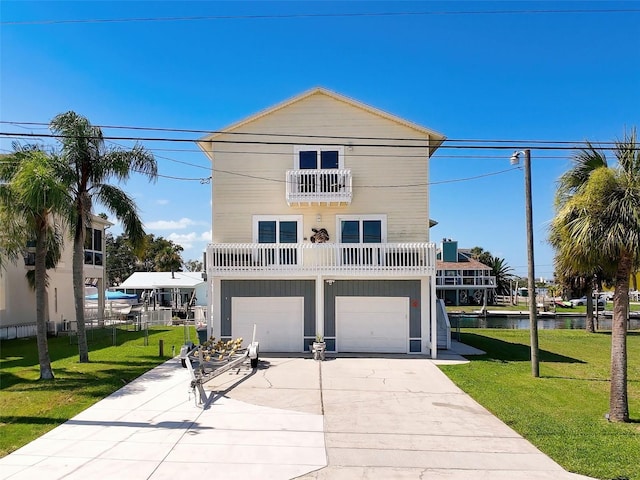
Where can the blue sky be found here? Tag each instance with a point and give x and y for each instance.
(480, 76)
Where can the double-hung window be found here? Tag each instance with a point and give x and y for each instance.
(278, 230)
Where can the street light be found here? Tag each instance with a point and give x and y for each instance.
(533, 321)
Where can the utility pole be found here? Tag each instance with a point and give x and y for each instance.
(533, 320)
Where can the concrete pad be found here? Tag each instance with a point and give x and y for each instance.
(396, 417)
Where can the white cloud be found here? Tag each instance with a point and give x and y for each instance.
(162, 202)
(170, 224)
(186, 240)
(206, 236)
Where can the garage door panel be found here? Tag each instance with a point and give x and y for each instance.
(372, 324)
(278, 320)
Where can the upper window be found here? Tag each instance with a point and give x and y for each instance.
(277, 229)
(93, 247)
(313, 157)
(362, 229)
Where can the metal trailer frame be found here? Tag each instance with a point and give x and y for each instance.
(201, 371)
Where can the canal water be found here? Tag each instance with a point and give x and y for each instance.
(522, 322)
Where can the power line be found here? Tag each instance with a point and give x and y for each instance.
(302, 135)
(316, 15)
(504, 144)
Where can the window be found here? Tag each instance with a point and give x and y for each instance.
(93, 247)
(360, 230)
(278, 230)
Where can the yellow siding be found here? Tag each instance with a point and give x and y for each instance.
(386, 180)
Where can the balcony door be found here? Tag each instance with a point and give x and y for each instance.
(278, 230)
(315, 159)
(364, 230)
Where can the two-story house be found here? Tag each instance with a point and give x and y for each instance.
(320, 226)
(461, 279)
(17, 298)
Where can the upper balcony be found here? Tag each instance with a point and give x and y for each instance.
(304, 259)
(319, 186)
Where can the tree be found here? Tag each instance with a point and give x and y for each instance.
(499, 269)
(585, 162)
(32, 197)
(168, 259)
(502, 271)
(161, 255)
(91, 165)
(121, 259)
(597, 223)
(194, 265)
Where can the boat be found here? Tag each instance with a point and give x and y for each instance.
(115, 302)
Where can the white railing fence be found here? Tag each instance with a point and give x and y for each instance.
(319, 186)
(305, 258)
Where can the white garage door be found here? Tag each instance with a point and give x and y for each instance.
(372, 324)
(279, 322)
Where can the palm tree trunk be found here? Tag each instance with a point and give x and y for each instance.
(46, 373)
(618, 402)
(589, 325)
(78, 290)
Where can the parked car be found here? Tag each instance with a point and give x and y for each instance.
(583, 301)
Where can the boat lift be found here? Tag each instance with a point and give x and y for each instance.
(204, 365)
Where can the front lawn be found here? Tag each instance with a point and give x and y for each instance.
(563, 411)
(30, 408)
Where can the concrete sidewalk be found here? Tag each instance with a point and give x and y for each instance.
(393, 416)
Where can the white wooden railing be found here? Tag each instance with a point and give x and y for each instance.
(327, 258)
(319, 186)
(465, 281)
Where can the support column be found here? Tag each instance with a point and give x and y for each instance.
(214, 322)
(319, 306)
(434, 317)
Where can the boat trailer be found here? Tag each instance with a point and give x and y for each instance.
(208, 360)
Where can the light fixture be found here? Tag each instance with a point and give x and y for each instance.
(318, 218)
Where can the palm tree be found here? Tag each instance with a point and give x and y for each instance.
(503, 273)
(168, 259)
(91, 165)
(597, 224)
(32, 197)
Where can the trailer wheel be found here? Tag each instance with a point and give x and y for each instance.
(254, 362)
(183, 362)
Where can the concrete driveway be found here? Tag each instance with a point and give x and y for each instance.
(394, 417)
(390, 417)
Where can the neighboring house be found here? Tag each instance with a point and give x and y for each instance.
(460, 279)
(177, 290)
(320, 227)
(18, 300)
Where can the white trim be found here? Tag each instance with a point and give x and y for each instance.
(278, 218)
(381, 217)
(318, 148)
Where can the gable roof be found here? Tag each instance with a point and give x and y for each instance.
(436, 137)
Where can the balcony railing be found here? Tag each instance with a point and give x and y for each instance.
(465, 281)
(298, 259)
(325, 186)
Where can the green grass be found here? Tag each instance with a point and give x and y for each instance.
(562, 412)
(29, 408)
